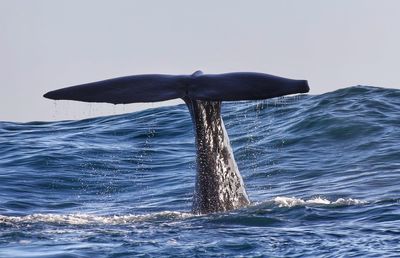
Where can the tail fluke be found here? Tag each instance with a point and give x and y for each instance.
(244, 86)
(124, 90)
(159, 87)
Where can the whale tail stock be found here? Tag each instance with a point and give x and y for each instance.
(219, 185)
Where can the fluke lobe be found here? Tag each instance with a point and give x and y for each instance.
(219, 185)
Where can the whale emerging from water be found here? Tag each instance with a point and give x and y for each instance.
(219, 185)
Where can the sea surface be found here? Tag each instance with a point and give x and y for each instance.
(322, 171)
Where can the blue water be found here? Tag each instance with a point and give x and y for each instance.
(323, 173)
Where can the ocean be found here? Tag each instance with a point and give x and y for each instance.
(322, 172)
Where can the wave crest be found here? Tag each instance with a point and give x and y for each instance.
(293, 201)
(85, 219)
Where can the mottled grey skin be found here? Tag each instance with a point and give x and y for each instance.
(219, 185)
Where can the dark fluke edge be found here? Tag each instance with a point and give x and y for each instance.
(219, 185)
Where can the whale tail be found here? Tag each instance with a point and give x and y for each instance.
(219, 186)
(160, 87)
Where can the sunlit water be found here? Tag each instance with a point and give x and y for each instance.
(323, 173)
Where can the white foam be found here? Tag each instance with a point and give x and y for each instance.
(83, 219)
(293, 201)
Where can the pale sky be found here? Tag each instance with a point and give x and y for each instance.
(47, 44)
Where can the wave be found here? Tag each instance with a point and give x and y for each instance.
(91, 219)
(88, 219)
(316, 201)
